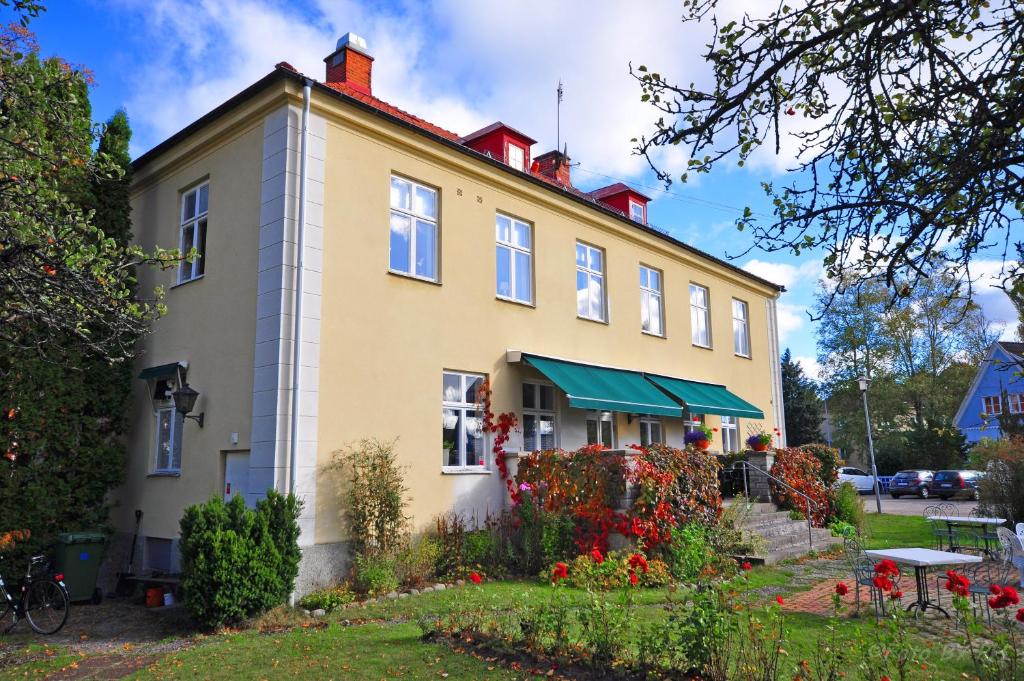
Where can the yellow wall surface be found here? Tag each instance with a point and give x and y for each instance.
(386, 338)
(210, 322)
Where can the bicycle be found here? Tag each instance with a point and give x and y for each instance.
(43, 600)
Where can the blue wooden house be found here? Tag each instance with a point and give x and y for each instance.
(998, 387)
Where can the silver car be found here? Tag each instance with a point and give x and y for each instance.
(864, 482)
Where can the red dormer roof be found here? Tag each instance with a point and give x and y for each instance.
(392, 110)
(618, 188)
(496, 127)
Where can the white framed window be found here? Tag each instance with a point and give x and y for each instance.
(692, 422)
(195, 205)
(1015, 403)
(538, 417)
(170, 424)
(730, 434)
(601, 429)
(462, 434)
(516, 156)
(993, 405)
(650, 301)
(700, 323)
(590, 293)
(637, 212)
(514, 259)
(651, 431)
(740, 328)
(413, 240)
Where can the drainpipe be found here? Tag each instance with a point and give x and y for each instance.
(293, 434)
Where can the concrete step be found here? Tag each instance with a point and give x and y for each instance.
(784, 552)
(758, 519)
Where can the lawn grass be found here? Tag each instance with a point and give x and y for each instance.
(886, 531)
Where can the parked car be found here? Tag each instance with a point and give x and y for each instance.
(864, 482)
(911, 482)
(949, 484)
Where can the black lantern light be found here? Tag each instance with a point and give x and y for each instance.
(184, 400)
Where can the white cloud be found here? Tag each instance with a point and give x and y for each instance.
(791, 318)
(804, 275)
(810, 366)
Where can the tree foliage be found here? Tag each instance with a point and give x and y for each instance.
(907, 116)
(800, 403)
(62, 275)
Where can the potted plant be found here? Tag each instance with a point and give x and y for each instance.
(701, 437)
(759, 441)
(446, 449)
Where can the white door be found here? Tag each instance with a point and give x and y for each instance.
(236, 474)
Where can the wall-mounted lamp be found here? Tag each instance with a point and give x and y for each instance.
(184, 400)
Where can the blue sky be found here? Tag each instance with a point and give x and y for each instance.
(461, 64)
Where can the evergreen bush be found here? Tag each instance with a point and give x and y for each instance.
(237, 562)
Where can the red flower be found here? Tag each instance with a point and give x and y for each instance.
(885, 678)
(1020, 615)
(561, 571)
(791, 111)
(842, 589)
(778, 599)
(896, 595)
(595, 554)
(633, 578)
(957, 584)
(882, 582)
(995, 589)
(10, 413)
(50, 270)
(474, 577)
(1004, 597)
(1011, 594)
(746, 565)
(638, 561)
(886, 568)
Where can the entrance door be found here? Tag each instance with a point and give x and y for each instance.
(236, 474)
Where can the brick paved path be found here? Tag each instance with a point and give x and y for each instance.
(818, 599)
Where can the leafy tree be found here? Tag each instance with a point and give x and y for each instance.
(906, 116)
(801, 404)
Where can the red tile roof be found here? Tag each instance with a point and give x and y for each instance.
(392, 110)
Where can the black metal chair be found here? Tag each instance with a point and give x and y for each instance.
(863, 574)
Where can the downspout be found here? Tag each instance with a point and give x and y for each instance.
(293, 434)
(300, 228)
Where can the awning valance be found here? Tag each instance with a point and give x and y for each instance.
(163, 371)
(602, 388)
(706, 398)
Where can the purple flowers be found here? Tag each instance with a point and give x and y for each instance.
(695, 436)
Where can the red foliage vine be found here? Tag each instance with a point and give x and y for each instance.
(502, 427)
(801, 470)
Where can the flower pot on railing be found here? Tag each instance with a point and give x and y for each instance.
(760, 447)
(702, 444)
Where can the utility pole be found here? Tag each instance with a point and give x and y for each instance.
(864, 382)
(558, 116)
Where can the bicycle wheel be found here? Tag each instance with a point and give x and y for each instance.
(46, 606)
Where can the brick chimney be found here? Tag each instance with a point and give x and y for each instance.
(555, 164)
(351, 63)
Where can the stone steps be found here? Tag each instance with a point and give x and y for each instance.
(784, 537)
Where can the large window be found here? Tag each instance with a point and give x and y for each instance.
(740, 328)
(993, 405)
(413, 229)
(651, 431)
(601, 428)
(538, 417)
(516, 157)
(514, 259)
(700, 325)
(637, 212)
(1015, 403)
(194, 207)
(169, 426)
(590, 282)
(461, 423)
(650, 301)
(730, 434)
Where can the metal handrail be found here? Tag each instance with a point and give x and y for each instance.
(810, 502)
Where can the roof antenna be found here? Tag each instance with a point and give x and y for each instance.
(558, 116)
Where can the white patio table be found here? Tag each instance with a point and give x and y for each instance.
(921, 560)
(954, 521)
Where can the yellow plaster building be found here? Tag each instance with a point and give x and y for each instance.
(426, 262)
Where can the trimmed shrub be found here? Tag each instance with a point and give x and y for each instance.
(829, 459)
(327, 599)
(802, 471)
(238, 562)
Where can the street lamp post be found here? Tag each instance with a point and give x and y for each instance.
(864, 382)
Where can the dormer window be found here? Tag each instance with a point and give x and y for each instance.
(516, 157)
(637, 212)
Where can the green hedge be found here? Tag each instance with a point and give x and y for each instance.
(238, 562)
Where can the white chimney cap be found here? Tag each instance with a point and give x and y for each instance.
(354, 41)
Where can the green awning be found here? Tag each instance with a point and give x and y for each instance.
(162, 371)
(706, 398)
(593, 387)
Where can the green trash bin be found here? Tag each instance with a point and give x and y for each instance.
(78, 555)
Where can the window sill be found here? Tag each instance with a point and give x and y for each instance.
(187, 281)
(592, 320)
(164, 474)
(654, 335)
(521, 303)
(465, 470)
(413, 277)
(702, 347)
(742, 356)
